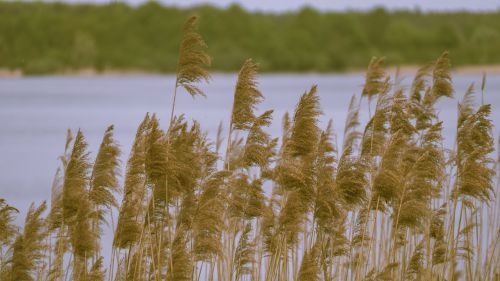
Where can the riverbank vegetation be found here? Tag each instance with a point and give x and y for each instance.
(388, 202)
(45, 38)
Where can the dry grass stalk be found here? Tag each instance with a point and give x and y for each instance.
(393, 204)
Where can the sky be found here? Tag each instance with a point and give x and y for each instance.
(286, 5)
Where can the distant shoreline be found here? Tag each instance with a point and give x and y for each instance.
(406, 70)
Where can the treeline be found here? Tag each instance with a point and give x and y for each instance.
(40, 37)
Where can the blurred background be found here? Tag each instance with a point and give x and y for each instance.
(283, 36)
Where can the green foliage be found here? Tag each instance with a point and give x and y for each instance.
(42, 37)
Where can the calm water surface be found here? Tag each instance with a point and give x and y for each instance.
(36, 112)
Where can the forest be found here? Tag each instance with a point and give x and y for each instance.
(45, 38)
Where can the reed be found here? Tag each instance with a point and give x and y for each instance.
(393, 204)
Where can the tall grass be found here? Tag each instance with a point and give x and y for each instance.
(393, 204)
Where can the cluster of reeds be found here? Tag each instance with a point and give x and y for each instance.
(392, 204)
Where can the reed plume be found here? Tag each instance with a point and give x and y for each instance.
(245, 252)
(97, 272)
(55, 219)
(441, 79)
(7, 228)
(208, 222)
(351, 134)
(259, 146)
(328, 206)
(375, 78)
(76, 178)
(156, 169)
(305, 132)
(246, 97)
(375, 133)
(290, 218)
(104, 178)
(77, 210)
(192, 59)
(474, 145)
(350, 178)
(393, 204)
(309, 269)
(180, 269)
(28, 247)
(128, 226)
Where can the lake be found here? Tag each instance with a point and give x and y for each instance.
(35, 113)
